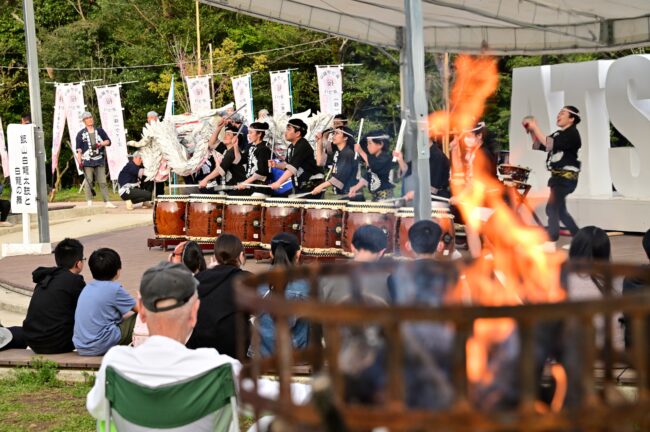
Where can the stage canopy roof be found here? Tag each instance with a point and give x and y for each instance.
(504, 26)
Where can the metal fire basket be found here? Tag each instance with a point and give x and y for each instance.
(599, 404)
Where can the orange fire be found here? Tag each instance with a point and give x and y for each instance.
(476, 80)
(513, 269)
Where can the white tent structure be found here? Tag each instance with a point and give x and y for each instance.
(503, 26)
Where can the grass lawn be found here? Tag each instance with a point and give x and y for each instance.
(34, 399)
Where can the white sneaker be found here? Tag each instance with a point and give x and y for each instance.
(110, 205)
(90, 203)
(549, 246)
(147, 204)
(6, 224)
(129, 205)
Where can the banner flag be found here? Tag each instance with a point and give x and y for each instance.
(281, 92)
(3, 152)
(22, 166)
(330, 89)
(109, 103)
(74, 108)
(169, 109)
(242, 89)
(198, 89)
(58, 124)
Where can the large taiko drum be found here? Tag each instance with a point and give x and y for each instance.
(440, 214)
(280, 215)
(361, 213)
(322, 227)
(204, 219)
(243, 218)
(169, 216)
(514, 173)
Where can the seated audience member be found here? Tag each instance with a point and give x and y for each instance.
(368, 245)
(216, 325)
(5, 208)
(285, 251)
(169, 305)
(130, 179)
(422, 282)
(49, 324)
(592, 244)
(189, 253)
(633, 285)
(101, 320)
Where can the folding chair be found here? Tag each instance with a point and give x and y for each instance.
(207, 402)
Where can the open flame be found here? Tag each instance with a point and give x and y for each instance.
(513, 269)
(476, 80)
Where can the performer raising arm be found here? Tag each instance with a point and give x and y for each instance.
(345, 167)
(562, 161)
(300, 165)
(258, 155)
(232, 168)
(379, 164)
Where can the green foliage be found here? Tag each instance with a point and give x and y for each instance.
(41, 372)
(91, 39)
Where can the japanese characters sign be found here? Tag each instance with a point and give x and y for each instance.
(22, 167)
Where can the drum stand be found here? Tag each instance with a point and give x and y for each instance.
(522, 190)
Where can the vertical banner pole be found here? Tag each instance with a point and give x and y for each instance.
(290, 91)
(37, 119)
(198, 38)
(211, 76)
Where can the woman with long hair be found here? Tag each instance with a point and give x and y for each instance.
(217, 317)
(285, 251)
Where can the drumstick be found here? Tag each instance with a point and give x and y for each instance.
(439, 198)
(178, 186)
(264, 185)
(356, 155)
(400, 139)
(300, 195)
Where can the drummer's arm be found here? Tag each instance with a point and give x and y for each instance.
(252, 179)
(213, 138)
(403, 167)
(321, 187)
(283, 179)
(536, 134)
(321, 156)
(357, 187)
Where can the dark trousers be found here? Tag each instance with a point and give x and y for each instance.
(5, 207)
(556, 207)
(17, 340)
(136, 195)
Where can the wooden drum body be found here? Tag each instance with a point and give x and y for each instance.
(204, 219)
(169, 216)
(514, 173)
(358, 214)
(322, 227)
(242, 217)
(280, 215)
(440, 215)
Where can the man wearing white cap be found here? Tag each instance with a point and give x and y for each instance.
(130, 180)
(152, 116)
(91, 155)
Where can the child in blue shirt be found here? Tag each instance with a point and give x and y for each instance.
(100, 317)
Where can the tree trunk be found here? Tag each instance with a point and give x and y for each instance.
(59, 177)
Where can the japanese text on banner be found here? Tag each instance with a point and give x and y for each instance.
(110, 111)
(22, 167)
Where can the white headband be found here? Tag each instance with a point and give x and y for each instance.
(344, 132)
(378, 137)
(258, 130)
(572, 112)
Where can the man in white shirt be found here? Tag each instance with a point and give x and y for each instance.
(168, 305)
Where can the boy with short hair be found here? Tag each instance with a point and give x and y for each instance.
(49, 324)
(100, 318)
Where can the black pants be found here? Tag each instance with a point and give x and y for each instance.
(556, 207)
(5, 207)
(136, 195)
(18, 339)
